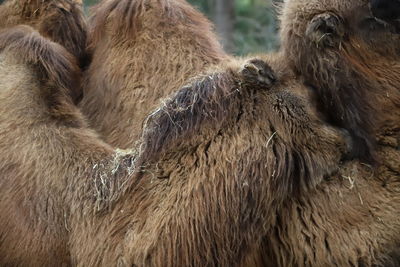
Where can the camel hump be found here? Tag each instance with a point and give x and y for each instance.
(55, 67)
(120, 16)
(124, 17)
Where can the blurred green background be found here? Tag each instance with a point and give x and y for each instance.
(244, 26)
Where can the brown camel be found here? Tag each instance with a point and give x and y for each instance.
(349, 226)
(351, 61)
(237, 167)
(214, 164)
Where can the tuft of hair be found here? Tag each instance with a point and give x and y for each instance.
(56, 68)
(212, 104)
(204, 101)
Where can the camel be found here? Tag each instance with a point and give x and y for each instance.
(210, 171)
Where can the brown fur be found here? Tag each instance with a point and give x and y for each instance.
(346, 219)
(143, 50)
(62, 21)
(223, 164)
(216, 160)
(45, 151)
(353, 64)
(350, 219)
(235, 146)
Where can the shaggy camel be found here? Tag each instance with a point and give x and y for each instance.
(351, 61)
(213, 165)
(231, 159)
(60, 20)
(357, 223)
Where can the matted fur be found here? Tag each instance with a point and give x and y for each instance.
(351, 219)
(225, 177)
(213, 102)
(62, 21)
(230, 164)
(204, 198)
(222, 181)
(143, 50)
(347, 219)
(216, 160)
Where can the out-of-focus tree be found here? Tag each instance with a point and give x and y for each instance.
(224, 18)
(254, 23)
(255, 29)
(90, 2)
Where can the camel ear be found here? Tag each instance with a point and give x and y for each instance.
(55, 67)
